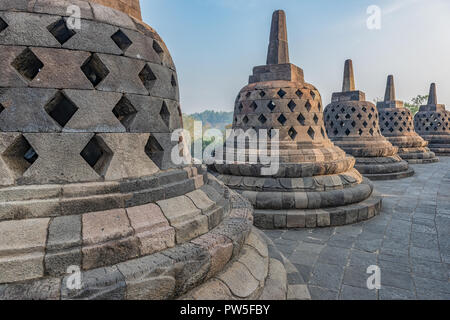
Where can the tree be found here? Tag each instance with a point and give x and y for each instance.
(415, 103)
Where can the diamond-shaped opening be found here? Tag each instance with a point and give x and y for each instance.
(370, 116)
(371, 131)
(360, 132)
(331, 124)
(173, 81)
(292, 105)
(125, 112)
(299, 93)
(336, 117)
(147, 77)
(281, 93)
(97, 154)
(396, 123)
(335, 131)
(353, 124)
(311, 133)
(319, 105)
(262, 119)
(359, 116)
(365, 124)
(254, 106)
(301, 119)
(347, 132)
(262, 94)
(282, 119)
(2, 108)
(155, 151)
(313, 95)
(308, 106)
(386, 124)
(3, 25)
(121, 40)
(61, 109)
(271, 106)
(60, 31)
(165, 114)
(245, 120)
(240, 107)
(316, 118)
(400, 129)
(157, 47)
(248, 94)
(347, 116)
(391, 129)
(27, 64)
(19, 155)
(292, 133)
(353, 109)
(364, 109)
(94, 70)
(342, 124)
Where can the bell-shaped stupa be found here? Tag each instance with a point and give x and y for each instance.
(91, 204)
(316, 184)
(397, 125)
(432, 123)
(352, 124)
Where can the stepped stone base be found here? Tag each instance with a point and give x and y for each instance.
(261, 272)
(391, 176)
(312, 218)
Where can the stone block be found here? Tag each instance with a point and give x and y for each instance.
(220, 249)
(16, 5)
(80, 205)
(192, 265)
(239, 280)
(63, 245)
(152, 228)
(123, 75)
(129, 159)
(296, 219)
(10, 77)
(212, 290)
(111, 16)
(29, 209)
(323, 218)
(59, 7)
(256, 264)
(22, 247)
(99, 284)
(275, 287)
(149, 278)
(89, 119)
(141, 47)
(187, 220)
(47, 289)
(201, 200)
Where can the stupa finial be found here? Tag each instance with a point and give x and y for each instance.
(349, 77)
(390, 89)
(278, 45)
(432, 98)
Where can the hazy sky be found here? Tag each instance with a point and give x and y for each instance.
(216, 43)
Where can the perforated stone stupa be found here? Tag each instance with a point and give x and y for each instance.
(352, 124)
(432, 123)
(86, 178)
(316, 184)
(397, 125)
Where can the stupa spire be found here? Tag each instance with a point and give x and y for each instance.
(390, 89)
(432, 98)
(278, 45)
(349, 77)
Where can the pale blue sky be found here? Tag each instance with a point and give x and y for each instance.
(216, 43)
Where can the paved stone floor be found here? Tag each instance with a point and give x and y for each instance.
(409, 242)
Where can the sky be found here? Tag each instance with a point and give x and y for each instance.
(216, 43)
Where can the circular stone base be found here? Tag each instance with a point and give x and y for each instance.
(422, 161)
(312, 218)
(391, 176)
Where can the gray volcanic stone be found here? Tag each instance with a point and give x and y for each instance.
(192, 264)
(63, 244)
(47, 289)
(98, 284)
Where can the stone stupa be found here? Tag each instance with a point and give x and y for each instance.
(432, 123)
(397, 125)
(316, 184)
(352, 124)
(86, 177)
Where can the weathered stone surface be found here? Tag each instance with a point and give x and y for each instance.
(212, 290)
(152, 228)
(149, 278)
(239, 280)
(22, 246)
(109, 15)
(184, 216)
(48, 289)
(98, 284)
(10, 78)
(63, 244)
(276, 284)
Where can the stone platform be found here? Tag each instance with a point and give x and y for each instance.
(409, 241)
